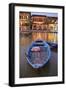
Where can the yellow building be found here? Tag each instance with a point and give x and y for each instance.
(53, 27)
(24, 21)
(39, 22)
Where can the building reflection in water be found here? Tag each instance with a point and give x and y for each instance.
(26, 40)
(39, 35)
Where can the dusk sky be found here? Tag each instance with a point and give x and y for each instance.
(45, 13)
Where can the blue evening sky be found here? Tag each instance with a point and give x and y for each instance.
(45, 13)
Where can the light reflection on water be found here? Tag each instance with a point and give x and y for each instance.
(27, 39)
(25, 69)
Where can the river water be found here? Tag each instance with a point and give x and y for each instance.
(50, 69)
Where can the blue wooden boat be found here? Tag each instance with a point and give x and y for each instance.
(38, 54)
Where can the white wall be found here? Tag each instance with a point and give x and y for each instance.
(4, 44)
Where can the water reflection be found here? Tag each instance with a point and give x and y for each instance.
(25, 69)
(27, 39)
(52, 37)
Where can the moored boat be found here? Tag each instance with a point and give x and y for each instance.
(38, 53)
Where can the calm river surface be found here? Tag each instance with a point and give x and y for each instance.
(50, 69)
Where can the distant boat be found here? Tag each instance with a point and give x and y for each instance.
(38, 53)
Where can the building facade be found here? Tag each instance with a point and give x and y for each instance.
(39, 23)
(24, 21)
(53, 27)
